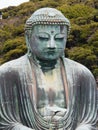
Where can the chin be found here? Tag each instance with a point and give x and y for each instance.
(47, 59)
(51, 58)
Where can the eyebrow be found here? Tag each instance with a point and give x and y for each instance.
(49, 34)
(42, 32)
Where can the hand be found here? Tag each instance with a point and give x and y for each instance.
(85, 127)
(21, 127)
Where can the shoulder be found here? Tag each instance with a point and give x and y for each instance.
(74, 64)
(77, 67)
(13, 65)
(80, 73)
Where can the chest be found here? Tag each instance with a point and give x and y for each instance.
(51, 97)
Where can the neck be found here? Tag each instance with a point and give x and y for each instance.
(47, 65)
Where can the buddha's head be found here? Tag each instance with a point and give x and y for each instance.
(46, 33)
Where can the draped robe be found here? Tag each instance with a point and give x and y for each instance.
(17, 103)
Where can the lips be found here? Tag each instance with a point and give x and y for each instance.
(52, 50)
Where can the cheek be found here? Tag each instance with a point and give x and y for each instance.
(33, 42)
(61, 44)
(36, 42)
(64, 42)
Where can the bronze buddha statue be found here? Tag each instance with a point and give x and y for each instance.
(43, 90)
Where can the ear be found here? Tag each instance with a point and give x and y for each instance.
(27, 37)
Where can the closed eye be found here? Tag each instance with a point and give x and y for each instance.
(43, 36)
(59, 37)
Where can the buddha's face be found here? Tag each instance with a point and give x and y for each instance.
(47, 42)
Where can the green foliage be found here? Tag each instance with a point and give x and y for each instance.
(84, 34)
(47, 3)
(78, 10)
(95, 71)
(12, 49)
(26, 9)
(5, 15)
(18, 31)
(18, 42)
(96, 4)
(4, 35)
(13, 54)
(93, 40)
(75, 32)
(83, 55)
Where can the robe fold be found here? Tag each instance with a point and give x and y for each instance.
(17, 104)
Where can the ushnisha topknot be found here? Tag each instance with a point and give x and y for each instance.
(48, 16)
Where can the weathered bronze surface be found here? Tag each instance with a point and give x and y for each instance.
(43, 90)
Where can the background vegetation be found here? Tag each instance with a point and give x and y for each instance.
(82, 44)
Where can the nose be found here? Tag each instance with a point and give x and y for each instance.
(51, 43)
